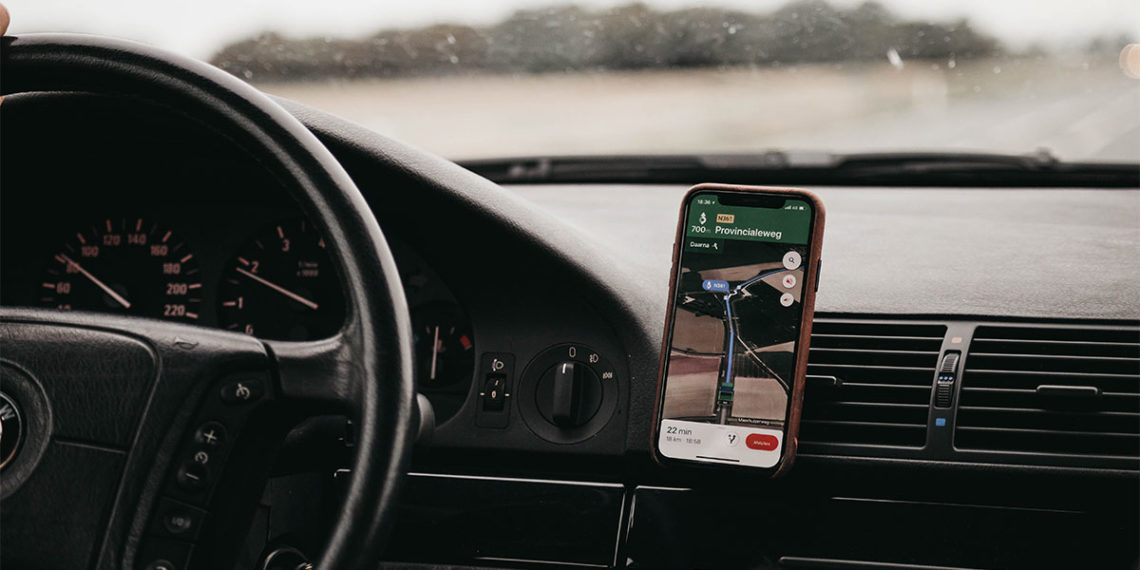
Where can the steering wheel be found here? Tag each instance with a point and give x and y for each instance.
(55, 363)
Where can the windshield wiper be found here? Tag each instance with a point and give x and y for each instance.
(779, 167)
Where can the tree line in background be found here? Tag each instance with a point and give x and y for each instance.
(629, 37)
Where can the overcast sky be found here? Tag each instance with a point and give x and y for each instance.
(201, 27)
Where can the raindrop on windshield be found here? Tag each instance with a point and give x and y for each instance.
(895, 59)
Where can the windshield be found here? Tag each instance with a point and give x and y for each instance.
(505, 78)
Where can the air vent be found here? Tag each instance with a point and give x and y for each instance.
(869, 383)
(1056, 391)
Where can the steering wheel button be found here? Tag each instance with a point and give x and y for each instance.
(178, 523)
(210, 434)
(178, 520)
(193, 476)
(243, 391)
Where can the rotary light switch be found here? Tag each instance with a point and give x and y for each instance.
(569, 394)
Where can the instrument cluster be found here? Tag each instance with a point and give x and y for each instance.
(263, 273)
(116, 206)
(279, 284)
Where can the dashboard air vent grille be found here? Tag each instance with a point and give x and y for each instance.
(869, 383)
(1056, 391)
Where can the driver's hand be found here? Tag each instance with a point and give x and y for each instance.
(4, 19)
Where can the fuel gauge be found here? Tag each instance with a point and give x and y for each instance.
(445, 351)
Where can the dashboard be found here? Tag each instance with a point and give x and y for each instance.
(507, 283)
(196, 233)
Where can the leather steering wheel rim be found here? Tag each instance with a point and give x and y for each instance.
(376, 377)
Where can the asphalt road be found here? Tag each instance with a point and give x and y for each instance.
(1079, 108)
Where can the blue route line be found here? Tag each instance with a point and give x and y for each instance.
(759, 277)
(726, 387)
(731, 339)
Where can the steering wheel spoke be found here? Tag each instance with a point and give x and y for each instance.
(322, 370)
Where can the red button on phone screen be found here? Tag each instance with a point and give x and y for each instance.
(761, 441)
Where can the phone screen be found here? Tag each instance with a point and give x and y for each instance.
(736, 321)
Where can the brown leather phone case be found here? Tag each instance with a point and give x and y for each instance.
(811, 276)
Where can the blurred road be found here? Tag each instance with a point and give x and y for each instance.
(1079, 109)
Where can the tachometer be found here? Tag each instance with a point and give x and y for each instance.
(126, 265)
(281, 285)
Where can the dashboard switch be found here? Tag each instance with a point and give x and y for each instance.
(494, 392)
(947, 375)
(948, 372)
(497, 371)
(568, 393)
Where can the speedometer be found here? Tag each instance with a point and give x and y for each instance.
(125, 265)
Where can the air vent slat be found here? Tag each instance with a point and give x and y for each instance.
(920, 407)
(1057, 442)
(1014, 398)
(861, 356)
(1075, 347)
(891, 435)
(874, 374)
(1064, 420)
(875, 343)
(824, 337)
(1055, 363)
(875, 367)
(882, 386)
(1044, 373)
(1075, 333)
(1038, 410)
(1067, 433)
(858, 423)
(863, 351)
(1031, 392)
(1088, 403)
(882, 398)
(1032, 378)
(873, 411)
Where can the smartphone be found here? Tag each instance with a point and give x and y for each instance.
(734, 354)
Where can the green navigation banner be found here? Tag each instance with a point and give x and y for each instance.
(784, 224)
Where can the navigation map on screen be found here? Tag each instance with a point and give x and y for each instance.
(736, 321)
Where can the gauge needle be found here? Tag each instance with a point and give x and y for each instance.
(434, 352)
(278, 288)
(106, 289)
